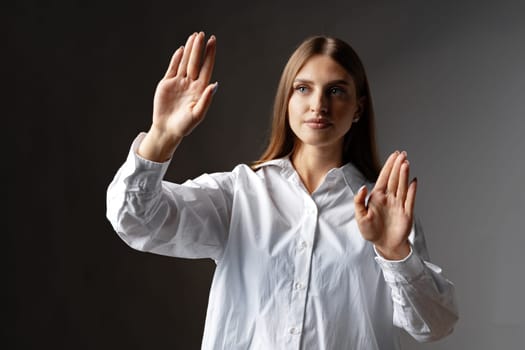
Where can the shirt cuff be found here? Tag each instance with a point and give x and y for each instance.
(144, 174)
(406, 270)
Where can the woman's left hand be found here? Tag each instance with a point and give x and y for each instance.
(386, 220)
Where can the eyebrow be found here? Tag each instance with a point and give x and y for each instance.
(338, 81)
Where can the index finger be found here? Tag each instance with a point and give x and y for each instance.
(382, 179)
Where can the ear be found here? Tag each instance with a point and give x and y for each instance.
(360, 108)
(361, 105)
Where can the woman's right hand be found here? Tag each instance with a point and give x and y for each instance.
(182, 98)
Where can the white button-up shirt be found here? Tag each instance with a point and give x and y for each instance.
(293, 271)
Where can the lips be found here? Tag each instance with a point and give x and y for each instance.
(318, 123)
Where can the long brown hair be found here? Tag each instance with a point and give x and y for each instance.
(359, 146)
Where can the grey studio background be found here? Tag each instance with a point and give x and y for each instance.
(447, 80)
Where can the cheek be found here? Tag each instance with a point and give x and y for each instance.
(293, 108)
(344, 109)
(292, 101)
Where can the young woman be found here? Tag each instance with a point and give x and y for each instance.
(315, 247)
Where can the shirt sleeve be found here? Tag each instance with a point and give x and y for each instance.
(424, 300)
(189, 220)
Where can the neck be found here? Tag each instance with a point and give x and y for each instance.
(312, 163)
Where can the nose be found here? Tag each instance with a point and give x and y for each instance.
(319, 103)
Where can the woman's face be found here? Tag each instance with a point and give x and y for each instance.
(323, 103)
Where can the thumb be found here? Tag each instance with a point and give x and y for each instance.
(360, 202)
(203, 104)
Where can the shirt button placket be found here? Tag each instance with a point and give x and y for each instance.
(300, 283)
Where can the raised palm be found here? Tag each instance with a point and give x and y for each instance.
(184, 94)
(386, 220)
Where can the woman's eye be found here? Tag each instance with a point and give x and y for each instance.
(336, 91)
(302, 89)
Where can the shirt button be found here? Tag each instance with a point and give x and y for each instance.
(294, 330)
(303, 245)
(298, 285)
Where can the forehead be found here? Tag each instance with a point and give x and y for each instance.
(322, 67)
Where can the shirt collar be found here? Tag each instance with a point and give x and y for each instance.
(350, 173)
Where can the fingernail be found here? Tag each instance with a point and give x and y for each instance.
(361, 188)
(212, 37)
(404, 153)
(215, 88)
